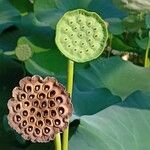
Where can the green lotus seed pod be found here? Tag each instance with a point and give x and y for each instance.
(81, 35)
(23, 52)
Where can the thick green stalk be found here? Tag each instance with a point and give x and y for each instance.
(69, 89)
(58, 142)
(146, 63)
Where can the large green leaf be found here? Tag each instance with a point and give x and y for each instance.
(120, 77)
(91, 102)
(119, 45)
(31, 26)
(115, 26)
(50, 11)
(48, 63)
(8, 15)
(9, 38)
(24, 6)
(142, 43)
(106, 9)
(39, 36)
(124, 126)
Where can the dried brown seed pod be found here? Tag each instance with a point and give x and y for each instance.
(38, 108)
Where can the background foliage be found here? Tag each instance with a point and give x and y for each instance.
(111, 96)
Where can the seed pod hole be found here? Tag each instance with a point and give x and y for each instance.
(32, 119)
(46, 87)
(23, 96)
(75, 28)
(28, 89)
(40, 123)
(71, 22)
(18, 107)
(80, 35)
(87, 50)
(32, 110)
(41, 96)
(37, 131)
(38, 114)
(44, 104)
(61, 110)
(48, 122)
(75, 49)
(92, 45)
(96, 36)
(51, 103)
(26, 103)
(69, 46)
(17, 118)
(71, 35)
(36, 103)
(25, 113)
(95, 29)
(52, 93)
(80, 52)
(24, 123)
(89, 23)
(66, 29)
(57, 122)
(75, 41)
(30, 128)
(31, 96)
(45, 113)
(37, 87)
(46, 130)
(53, 113)
(59, 99)
(65, 39)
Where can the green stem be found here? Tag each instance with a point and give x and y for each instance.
(146, 63)
(9, 53)
(69, 89)
(70, 77)
(57, 142)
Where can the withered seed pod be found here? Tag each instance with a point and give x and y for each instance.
(39, 108)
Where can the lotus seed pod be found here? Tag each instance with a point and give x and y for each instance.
(38, 108)
(81, 35)
(23, 52)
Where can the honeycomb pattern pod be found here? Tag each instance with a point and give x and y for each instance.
(81, 35)
(39, 108)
